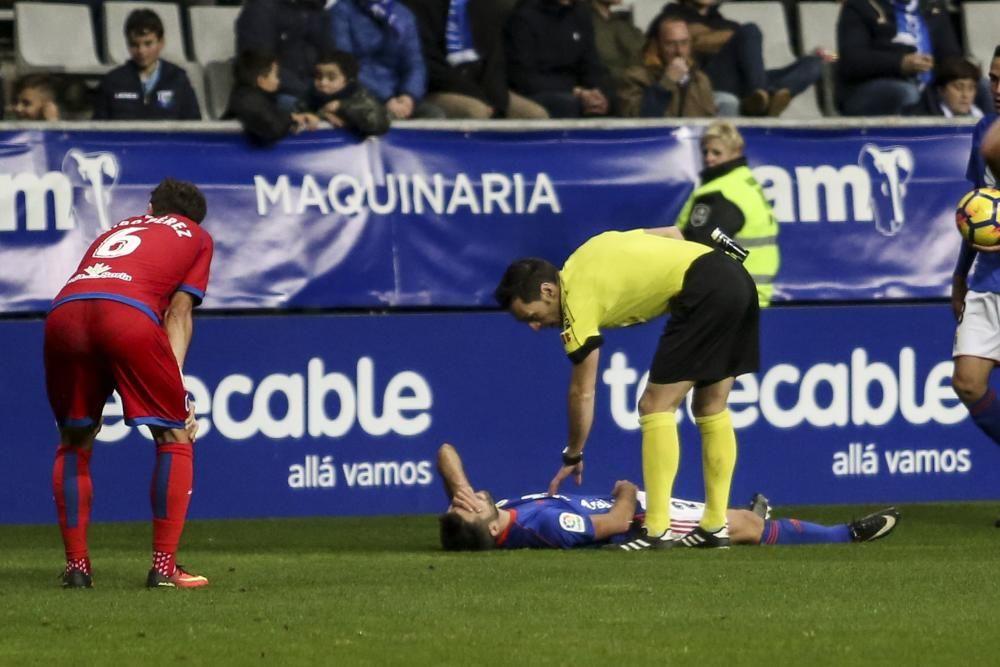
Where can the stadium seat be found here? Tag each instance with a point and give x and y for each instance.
(213, 33)
(115, 14)
(770, 18)
(982, 30)
(644, 11)
(818, 30)
(218, 85)
(197, 78)
(55, 37)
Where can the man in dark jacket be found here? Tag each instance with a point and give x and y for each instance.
(553, 60)
(146, 87)
(296, 31)
(887, 53)
(462, 43)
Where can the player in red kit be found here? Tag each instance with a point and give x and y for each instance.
(123, 321)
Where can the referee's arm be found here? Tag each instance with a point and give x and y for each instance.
(580, 401)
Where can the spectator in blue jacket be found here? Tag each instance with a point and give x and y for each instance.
(296, 31)
(146, 87)
(382, 35)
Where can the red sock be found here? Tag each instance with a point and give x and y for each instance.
(74, 492)
(170, 495)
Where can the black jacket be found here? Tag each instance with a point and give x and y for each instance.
(120, 96)
(295, 31)
(360, 110)
(865, 30)
(259, 114)
(486, 79)
(550, 47)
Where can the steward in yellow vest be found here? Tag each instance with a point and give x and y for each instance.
(730, 198)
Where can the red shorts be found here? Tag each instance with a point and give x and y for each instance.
(95, 346)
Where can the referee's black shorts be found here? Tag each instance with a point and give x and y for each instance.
(714, 326)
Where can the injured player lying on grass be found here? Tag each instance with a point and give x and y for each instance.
(474, 522)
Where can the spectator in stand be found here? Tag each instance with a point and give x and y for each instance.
(382, 35)
(146, 87)
(619, 42)
(466, 65)
(668, 83)
(35, 98)
(887, 53)
(553, 60)
(953, 92)
(254, 100)
(338, 98)
(296, 31)
(731, 54)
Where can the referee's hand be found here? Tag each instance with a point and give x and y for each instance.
(565, 471)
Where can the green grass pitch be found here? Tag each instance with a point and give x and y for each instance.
(378, 592)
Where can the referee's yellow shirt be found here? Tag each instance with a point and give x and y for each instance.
(616, 279)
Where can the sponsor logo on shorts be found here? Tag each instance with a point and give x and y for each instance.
(572, 523)
(99, 270)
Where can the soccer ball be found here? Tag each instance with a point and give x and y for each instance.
(978, 216)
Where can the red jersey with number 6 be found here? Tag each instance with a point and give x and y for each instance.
(141, 262)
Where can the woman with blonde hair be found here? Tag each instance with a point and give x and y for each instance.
(730, 199)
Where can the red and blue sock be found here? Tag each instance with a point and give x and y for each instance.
(986, 414)
(74, 492)
(793, 531)
(170, 495)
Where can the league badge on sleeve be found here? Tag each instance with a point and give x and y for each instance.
(572, 523)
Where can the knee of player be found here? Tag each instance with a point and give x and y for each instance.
(651, 402)
(81, 437)
(745, 527)
(968, 387)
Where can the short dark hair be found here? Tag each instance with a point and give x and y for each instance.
(347, 63)
(181, 197)
(39, 81)
(251, 64)
(996, 51)
(523, 280)
(141, 21)
(653, 29)
(954, 69)
(457, 534)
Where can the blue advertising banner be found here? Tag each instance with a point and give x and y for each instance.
(431, 217)
(335, 415)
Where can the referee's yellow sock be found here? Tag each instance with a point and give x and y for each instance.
(718, 458)
(660, 456)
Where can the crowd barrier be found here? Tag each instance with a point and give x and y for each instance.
(328, 414)
(342, 414)
(430, 216)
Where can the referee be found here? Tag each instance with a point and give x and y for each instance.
(617, 279)
(730, 199)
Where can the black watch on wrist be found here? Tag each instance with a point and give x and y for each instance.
(571, 459)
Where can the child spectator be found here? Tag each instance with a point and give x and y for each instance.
(337, 97)
(952, 93)
(254, 100)
(35, 98)
(146, 87)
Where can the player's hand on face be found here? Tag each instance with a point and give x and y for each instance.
(564, 472)
(466, 499)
